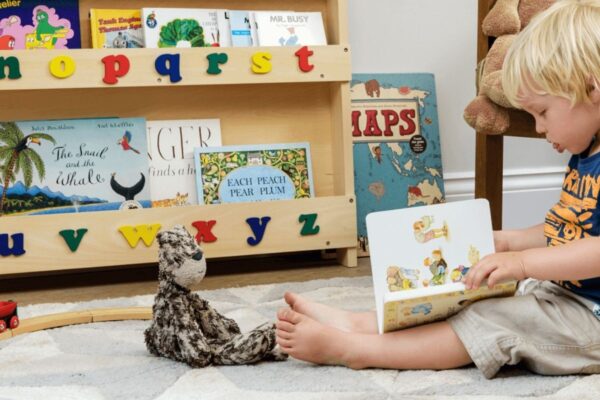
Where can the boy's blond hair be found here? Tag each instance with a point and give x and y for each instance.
(558, 53)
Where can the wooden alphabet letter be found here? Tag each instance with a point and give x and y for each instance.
(309, 227)
(72, 238)
(258, 226)
(169, 64)
(145, 232)
(115, 67)
(205, 231)
(17, 249)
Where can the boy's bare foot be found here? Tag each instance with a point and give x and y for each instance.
(306, 339)
(340, 319)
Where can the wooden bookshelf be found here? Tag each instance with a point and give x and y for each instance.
(286, 105)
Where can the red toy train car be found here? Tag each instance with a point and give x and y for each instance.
(8, 315)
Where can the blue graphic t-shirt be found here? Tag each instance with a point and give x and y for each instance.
(576, 215)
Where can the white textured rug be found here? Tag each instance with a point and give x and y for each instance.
(110, 361)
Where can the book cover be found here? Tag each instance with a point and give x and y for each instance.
(396, 144)
(171, 157)
(66, 166)
(116, 29)
(240, 28)
(419, 257)
(183, 27)
(233, 174)
(277, 28)
(34, 24)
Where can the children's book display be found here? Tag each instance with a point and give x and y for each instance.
(277, 28)
(397, 155)
(116, 29)
(185, 27)
(63, 166)
(241, 29)
(419, 257)
(171, 152)
(34, 24)
(232, 174)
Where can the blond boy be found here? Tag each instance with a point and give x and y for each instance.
(552, 71)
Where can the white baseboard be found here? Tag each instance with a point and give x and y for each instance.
(527, 193)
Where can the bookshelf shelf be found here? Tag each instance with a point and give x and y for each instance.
(332, 64)
(286, 105)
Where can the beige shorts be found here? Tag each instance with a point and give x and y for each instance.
(547, 329)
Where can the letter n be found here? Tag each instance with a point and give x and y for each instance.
(14, 68)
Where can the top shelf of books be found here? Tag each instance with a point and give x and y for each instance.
(97, 44)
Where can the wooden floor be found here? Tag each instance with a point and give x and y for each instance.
(132, 281)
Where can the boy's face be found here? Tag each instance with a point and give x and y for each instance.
(567, 127)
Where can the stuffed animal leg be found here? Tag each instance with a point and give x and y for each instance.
(249, 347)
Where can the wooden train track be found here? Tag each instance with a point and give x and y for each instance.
(76, 318)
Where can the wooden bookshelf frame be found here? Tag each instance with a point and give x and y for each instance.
(286, 105)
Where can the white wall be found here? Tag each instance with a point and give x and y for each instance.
(420, 36)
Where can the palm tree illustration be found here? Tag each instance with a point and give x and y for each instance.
(16, 156)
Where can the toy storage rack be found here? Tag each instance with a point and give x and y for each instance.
(286, 105)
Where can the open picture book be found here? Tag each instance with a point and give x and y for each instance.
(419, 257)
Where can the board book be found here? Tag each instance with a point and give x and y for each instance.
(171, 145)
(419, 257)
(34, 25)
(185, 27)
(278, 28)
(116, 29)
(396, 144)
(234, 174)
(70, 166)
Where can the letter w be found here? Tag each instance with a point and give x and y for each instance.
(145, 232)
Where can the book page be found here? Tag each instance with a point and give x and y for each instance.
(416, 251)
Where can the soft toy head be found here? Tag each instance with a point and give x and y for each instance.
(180, 259)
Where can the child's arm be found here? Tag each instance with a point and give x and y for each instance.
(576, 260)
(522, 239)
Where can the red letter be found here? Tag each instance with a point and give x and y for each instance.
(303, 54)
(408, 116)
(372, 129)
(355, 123)
(391, 119)
(204, 231)
(115, 67)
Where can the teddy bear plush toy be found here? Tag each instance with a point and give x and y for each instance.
(185, 327)
(488, 112)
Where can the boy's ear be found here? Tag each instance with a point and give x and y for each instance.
(594, 90)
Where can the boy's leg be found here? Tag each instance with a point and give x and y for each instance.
(357, 322)
(433, 346)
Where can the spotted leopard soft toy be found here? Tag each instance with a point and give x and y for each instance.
(185, 327)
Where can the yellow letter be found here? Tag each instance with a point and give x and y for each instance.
(261, 63)
(145, 232)
(62, 67)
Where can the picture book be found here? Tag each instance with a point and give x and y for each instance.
(66, 166)
(396, 144)
(171, 157)
(240, 28)
(233, 174)
(35, 24)
(116, 29)
(185, 27)
(279, 28)
(419, 257)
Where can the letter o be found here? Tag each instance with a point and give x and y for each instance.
(62, 67)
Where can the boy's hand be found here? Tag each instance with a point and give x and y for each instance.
(496, 268)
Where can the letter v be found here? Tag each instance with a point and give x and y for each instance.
(72, 238)
(258, 227)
